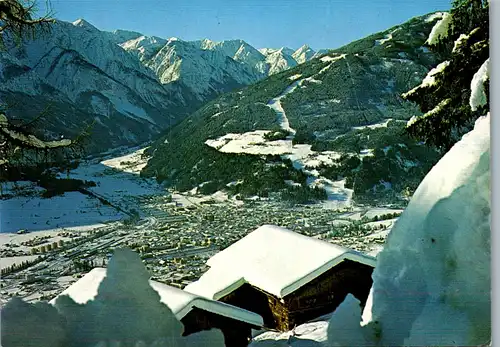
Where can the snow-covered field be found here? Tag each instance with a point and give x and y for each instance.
(131, 163)
(69, 210)
(374, 126)
(116, 180)
(301, 155)
(251, 143)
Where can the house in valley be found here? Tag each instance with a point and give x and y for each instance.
(285, 277)
(195, 312)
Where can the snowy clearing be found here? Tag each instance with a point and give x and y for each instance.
(333, 60)
(330, 58)
(374, 126)
(70, 209)
(251, 143)
(131, 163)
(275, 105)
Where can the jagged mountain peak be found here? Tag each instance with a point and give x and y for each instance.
(284, 50)
(229, 47)
(84, 24)
(280, 60)
(304, 47)
(303, 54)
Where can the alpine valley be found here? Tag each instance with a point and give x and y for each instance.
(127, 86)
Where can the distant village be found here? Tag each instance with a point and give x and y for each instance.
(174, 241)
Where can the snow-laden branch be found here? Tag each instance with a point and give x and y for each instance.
(478, 95)
(434, 111)
(440, 29)
(11, 134)
(32, 141)
(13, 13)
(429, 80)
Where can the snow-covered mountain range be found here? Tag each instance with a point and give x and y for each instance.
(338, 119)
(129, 85)
(209, 67)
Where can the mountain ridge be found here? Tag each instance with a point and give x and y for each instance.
(112, 76)
(347, 118)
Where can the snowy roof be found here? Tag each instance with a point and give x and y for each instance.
(179, 301)
(274, 259)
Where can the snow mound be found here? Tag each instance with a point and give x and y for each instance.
(432, 280)
(434, 16)
(126, 312)
(178, 300)
(478, 95)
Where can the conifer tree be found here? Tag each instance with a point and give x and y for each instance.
(461, 37)
(20, 142)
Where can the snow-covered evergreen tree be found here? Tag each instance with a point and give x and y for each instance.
(462, 39)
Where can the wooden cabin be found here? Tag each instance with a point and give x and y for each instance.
(285, 277)
(195, 312)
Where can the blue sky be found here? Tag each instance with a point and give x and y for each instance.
(262, 23)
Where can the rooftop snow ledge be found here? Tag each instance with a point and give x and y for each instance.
(274, 259)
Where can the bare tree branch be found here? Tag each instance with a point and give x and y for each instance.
(16, 18)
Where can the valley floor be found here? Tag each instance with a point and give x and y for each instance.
(176, 233)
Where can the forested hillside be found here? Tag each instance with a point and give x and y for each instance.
(345, 105)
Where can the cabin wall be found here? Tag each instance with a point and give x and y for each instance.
(323, 294)
(236, 333)
(318, 297)
(253, 300)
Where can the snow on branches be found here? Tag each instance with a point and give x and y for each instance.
(478, 96)
(440, 29)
